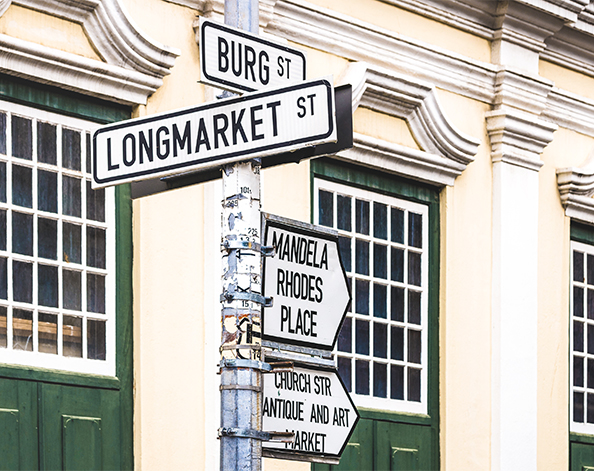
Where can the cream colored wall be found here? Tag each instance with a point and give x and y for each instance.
(465, 300)
(411, 25)
(50, 31)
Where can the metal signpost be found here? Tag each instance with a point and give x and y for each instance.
(237, 60)
(308, 283)
(306, 412)
(313, 403)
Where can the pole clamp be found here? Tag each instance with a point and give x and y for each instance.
(240, 387)
(243, 433)
(228, 296)
(244, 363)
(265, 250)
(285, 437)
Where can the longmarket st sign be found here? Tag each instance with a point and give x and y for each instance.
(213, 134)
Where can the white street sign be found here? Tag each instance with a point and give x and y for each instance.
(215, 133)
(308, 285)
(240, 61)
(312, 403)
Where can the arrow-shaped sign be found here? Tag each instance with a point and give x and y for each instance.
(315, 405)
(307, 282)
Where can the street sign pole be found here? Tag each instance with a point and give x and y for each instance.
(241, 299)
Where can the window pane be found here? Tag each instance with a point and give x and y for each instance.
(95, 203)
(22, 186)
(72, 336)
(46, 143)
(344, 370)
(362, 217)
(396, 382)
(590, 269)
(343, 213)
(2, 182)
(414, 346)
(380, 301)
(578, 407)
(414, 385)
(326, 208)
(590, 304)
(3, 133)
(590, 338)
(414, 268)
(22, 138)
(47, 289)
(380, 261)
(3, 327)
(96, 293)
(71, 149)
(47, 238)
(95, 247)
(578, 302)
(3, 278)
(578, 336)
(362, 297)
(590, 373)
(397, 345)
(380, 340)
(362, 377)
(415, 230)
(72, 289)
(71, 242)
(344, 248)
(47, 191)
(380, 221)
(380, 380)
(397, 304)
(578, 266)
(22, 330)
(590, 406)
(397, 231)
(22, 277)
(578, 371)
(96, 340)
(397, 265)
(414, 307)
(2, 229)
(22, 233)
(88, 145)
(362, 337)
(345, 336)
(71, 196)
(48, 333)
(362, 257)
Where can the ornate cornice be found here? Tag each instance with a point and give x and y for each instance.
(576, 187)
(134, 64)
(518, 138)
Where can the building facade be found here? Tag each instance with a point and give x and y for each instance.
(464, 212)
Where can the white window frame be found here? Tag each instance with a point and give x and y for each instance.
(369, 401)
(46, 360)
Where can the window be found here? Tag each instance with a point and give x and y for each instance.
(382, 352)
(57, 254)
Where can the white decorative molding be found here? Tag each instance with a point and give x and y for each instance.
(518, 138)
(576, 187)
(445, 151)
(522, 91)
(401, 160)
(134, 68)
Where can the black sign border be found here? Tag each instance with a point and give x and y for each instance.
(206, 23)
(308, 366)
(287, 226)
(207, 106)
